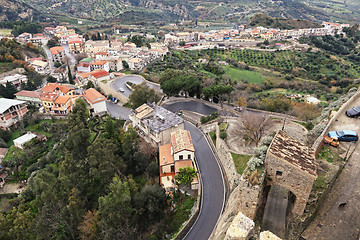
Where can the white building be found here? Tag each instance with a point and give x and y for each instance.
(21, 141)
(96, 100)
(15, 79)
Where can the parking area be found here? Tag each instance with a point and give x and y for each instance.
(121, 83)
(338, 217)
(117, 111)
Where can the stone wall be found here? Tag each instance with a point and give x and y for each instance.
(292, 178)
(227, 161)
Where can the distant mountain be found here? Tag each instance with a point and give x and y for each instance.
(232, 11)
(11, 10)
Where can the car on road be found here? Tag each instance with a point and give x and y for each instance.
(121, 90)
(354, 112)
(344, 135)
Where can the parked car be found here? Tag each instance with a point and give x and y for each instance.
(354, 112)
(344, 135)
(121, 90)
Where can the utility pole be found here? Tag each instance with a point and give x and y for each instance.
(283, 127)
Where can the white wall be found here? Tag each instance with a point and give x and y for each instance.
(99, 107)
(185, 154)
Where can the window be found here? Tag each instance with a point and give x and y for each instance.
(279, 173)
(172, 168)
(181, 157)
(189, 156)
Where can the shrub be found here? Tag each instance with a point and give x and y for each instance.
(254, 162)
(209, 118)
(223, 134)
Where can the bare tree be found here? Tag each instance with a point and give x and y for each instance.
(254, 126)
(80, 56)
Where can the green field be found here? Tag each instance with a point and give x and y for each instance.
(243, 75)
(5, 32)
(240, 161)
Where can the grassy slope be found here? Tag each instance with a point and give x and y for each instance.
(243, 75)
(240, 162)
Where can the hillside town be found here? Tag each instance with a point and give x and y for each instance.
(249, 157)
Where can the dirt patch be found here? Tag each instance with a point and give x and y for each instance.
(12, 188)
(236, 138)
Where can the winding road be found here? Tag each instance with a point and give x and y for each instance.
(213, 186)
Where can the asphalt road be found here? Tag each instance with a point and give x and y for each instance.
(49, 57)
(213, 189)
(117, 111)
(193, 106)
(120, 83)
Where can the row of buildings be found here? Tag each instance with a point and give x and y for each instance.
(248, 34)
(59, 99)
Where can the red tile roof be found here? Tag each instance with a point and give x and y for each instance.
(99, 63)
(181, 140)
(31, 94)
(99, 74)
(56, 50)
(51, 87)
(83, 64)
(93, 96)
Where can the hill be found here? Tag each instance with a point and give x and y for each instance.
(230, 11)
(11, 10)
(264, 20)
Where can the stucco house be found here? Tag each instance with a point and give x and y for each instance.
(177, 154)
(96, 101)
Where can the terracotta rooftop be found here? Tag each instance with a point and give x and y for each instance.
(99, 63)
(182, 164)
(93, 96)
(165, 156)
(56, 50)
(51, 87)
(99, 74)
(48, 97)
(31, 94)
(83, 64)
(293, 151)
(63, 99)
(181, 140)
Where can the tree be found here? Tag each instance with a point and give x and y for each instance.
(125, 64)
(182, 43)
(185, 176)
(51, 79)
(71, 79)
(78, 119)
(90, 84)
(115, 212)
(57, 64)
(54, 41)
(141, 94)
(306, 111)
(150, 203)
(254, 126)
(241, 102)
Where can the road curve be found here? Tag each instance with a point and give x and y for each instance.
(213, 188)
